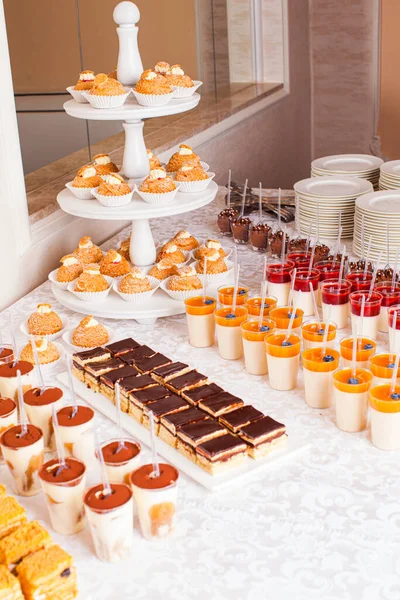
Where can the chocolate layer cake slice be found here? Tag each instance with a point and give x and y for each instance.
(138, 353)
(134, 384)
(139, 399)
(94, 370)
(167, 372)
(159, 408)
(122, 347)
(80, 359)
(263, 436)
(220, 404)
(170, 424)
(108, 381)
(147, 365)
(187, 381)
(189, 436)
(241, 417)
(194, 395)
(217, 455)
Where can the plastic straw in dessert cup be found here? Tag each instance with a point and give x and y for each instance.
(351, 398)
(253, 305)
(283, 356)
(39, 404)
(81, 193)
(318, 369)
(89, 296)
(301, 259)
(24, 455)
(360, 280)
(98, 101)
(8, 417)
(138, 298)
(200, 320)
(194, 187)
(110, 518)
(185, 92)
(228, 329)
(76, 94)
(371, 312)
(153, 100)
(335, 298)
(382, 367)
(328, 270)
(253, 337)
(390, 293)
(63, 491)
(301, 289)
(282, 315)
(6, 354)
(393, 313)
(312, 333)
(226, 293)
(279, 277)
(156, 499)
(385, 416)
(77, 433)
(365, 348)
(120, 463)
(109, 200)
(161, 198)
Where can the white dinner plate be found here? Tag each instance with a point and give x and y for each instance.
(332, 187)
(24, 328)
(347, 163)
(387, 202)
(67, 338)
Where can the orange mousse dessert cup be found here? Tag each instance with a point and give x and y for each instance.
(253, 305)
(253, 345)
(229, 334)
(365, 349)
(318, 369)
(283, 358)
(385, 417)
(312, 334)
(281, 316)
(381, 367)
(226, 293)
(201, 321)
(350, 394)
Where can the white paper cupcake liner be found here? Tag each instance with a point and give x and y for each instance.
(179, 295)
(81, 193)
(111, 280)
(139, 298)
(52, 336)
(185, 92)
(158, 199)
(219, 276)
(61, 353)
(67, 338)
(113, 200)
(52, 276)
(192, 187)
(106, 101)
(89, 296)
(153, 100)
(77, 95)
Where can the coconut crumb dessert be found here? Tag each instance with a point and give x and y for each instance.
(135, 282)
(90, 334)
(44, 321)
(47, 352)
(87, 252)
(91, 280)
(114, 265)
(70, 269)
(186, 279)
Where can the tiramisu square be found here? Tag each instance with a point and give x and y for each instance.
(201, 392)
(108, 381)
(122, 347)
(241, 417)
(94, 370)
(220, 404)
(167, 372)
(165, 406)
(217, 455)
(187, 381)
(263, 436)
(189, 436)
(147, 365)
(170, 424)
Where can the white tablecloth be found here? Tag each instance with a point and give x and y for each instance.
(324, 526)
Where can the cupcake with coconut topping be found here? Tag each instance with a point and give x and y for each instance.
(70, 269)
(103, 164)
(90, 334)
(209, 245)
(163, 269)
(136, 286)
(171, 251)
(162, 68)
(114, 265)
(91, 280)
(84, 183)
(153, 160)
(85, 81)
(87, 252)
(158, 187)
(185, 241)
(44, 321)
(113, 191)
(47, 352)
(215, 263)
(186, 279)
(185, 154)
(152, 89)
(176, 76)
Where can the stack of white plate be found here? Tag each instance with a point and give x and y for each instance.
(390, 175)
(326, 197)
(364, 166)
(378, 209)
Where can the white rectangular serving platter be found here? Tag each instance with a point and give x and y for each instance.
(210, 482)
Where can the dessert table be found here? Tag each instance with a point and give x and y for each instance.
(324, 524)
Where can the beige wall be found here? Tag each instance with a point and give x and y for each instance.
(389, 118)
(44, 47)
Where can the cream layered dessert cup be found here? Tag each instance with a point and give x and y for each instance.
(350, 393)
(283, 357)
(318, 369)
(226, 293)
(63, 489)
(229, 334)
(24, 455)
(253, 306)
(110, 519)
(8, 417)
(253, 337)
(328, 270)
(121, 460)
(279, 278)
(200, 320)
(335, 301)
(282, 315)
(302, 295)
(312, 334)
(6, 354)
(390, 297)
(372, 309)
(393, 313)
(381, 367)
(156, 499)
(360, 281)
(76, 432)
(385, 417)
(9, 380)
(39, 405)
(366, 347)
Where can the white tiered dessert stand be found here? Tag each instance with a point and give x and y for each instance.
(135, 166)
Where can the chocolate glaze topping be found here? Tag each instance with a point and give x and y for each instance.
(148, 364)
(167, 370)
(33, 397)
(122, 346)
(151, 394)
(262, 427)
(98, 368)
(197, 431)
(221, 401)
(241, 417)
(138, 353)
(91, 355)
(191, 378)
(166, 405)
(176, 420)
(203, 391)
(221, 445)
(112, 377)
(130, 384)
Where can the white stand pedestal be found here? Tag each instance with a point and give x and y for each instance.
(136, 163)
(142, 249)
(129, 68)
